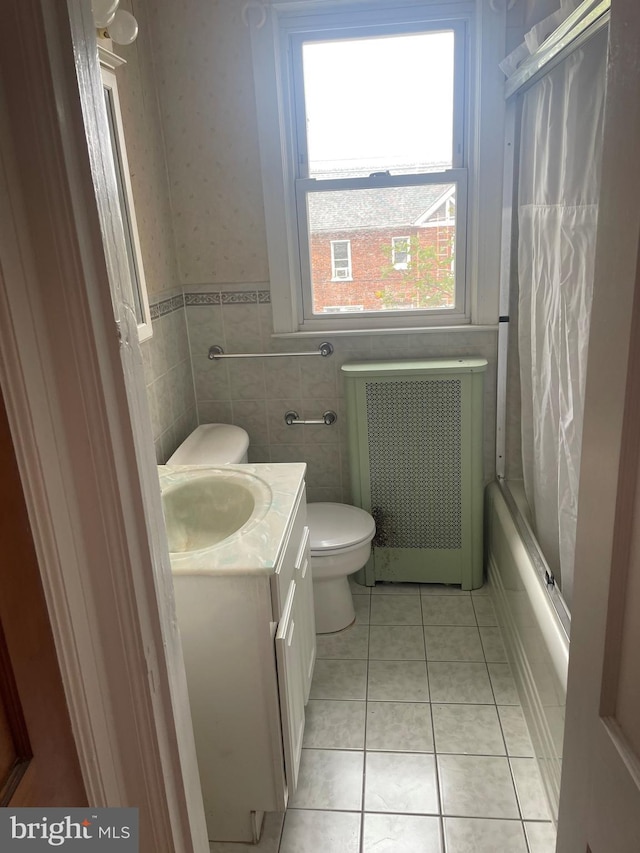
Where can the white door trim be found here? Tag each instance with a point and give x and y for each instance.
(75, 398)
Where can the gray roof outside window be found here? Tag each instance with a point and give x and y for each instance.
(355, 210)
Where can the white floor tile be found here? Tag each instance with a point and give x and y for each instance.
(396, 643)
(401, 783)
(467, 729)
(485, 613)
(472, 835)
(329, 779)
(352, 643)
(362, 606)
(334, 724)
(484, 794)
(399, 726)
(311, 831)
(492, 644)
(400, 681)
(504, 687)
(447, 610)
(541, 837)
(514, 728)
(395, 610)
(401, 833)
(453, 643)
(531, 796)
(476, 786)
(339, 679)
(467, 683)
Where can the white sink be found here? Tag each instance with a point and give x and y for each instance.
(211, 505)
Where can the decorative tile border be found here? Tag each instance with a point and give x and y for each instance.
(240, 297)
(202, 298)
(229, 297)
(225, 297)
(166, 306)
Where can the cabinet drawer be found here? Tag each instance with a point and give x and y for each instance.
(286, 567)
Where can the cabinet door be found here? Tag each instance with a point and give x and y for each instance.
(290, 687)
(305, 594)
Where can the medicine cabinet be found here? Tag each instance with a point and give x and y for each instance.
(108, 63)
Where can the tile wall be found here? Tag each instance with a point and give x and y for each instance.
(166, 355)
(168, 376)
(256, 393)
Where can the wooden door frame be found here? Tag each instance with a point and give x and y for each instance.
(608, 474)
(74, 391)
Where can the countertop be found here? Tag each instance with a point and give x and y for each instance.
(257, 550)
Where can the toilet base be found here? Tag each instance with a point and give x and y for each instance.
(333, 604)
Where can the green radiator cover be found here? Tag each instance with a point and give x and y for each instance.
(416, 451)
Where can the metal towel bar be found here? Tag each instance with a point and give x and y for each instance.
(216, 352)
(329, 418)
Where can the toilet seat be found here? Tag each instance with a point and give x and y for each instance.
(338, 528)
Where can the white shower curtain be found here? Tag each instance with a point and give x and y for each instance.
(557, 217)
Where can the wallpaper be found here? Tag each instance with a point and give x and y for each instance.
(205, 87)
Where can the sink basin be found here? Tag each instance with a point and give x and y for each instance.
(208, 506)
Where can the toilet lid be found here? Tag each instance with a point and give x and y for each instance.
(333, 526)
(212, 444)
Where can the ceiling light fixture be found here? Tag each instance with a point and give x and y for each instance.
(114, 23)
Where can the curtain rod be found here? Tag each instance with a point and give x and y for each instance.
(583, 23)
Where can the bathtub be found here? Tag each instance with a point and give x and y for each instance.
(535, 623)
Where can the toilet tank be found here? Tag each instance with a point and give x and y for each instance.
(212, 444)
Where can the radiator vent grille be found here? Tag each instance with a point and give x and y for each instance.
(415, 460)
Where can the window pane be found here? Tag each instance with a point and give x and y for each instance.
(401, 248)
(377, 104)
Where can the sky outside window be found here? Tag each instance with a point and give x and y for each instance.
(374, 104)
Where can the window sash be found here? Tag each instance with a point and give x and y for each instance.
(275, 97)
(437, 316)
(298, 39)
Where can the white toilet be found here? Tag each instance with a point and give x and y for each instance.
(340, 535)
(340, 545)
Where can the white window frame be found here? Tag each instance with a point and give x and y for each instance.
(478, 247)
(108, 63)
(334, 268)
(406, 242)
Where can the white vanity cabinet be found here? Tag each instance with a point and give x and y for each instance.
(248, 638)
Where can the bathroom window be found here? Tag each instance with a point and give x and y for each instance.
(340, 260)
(348, 161)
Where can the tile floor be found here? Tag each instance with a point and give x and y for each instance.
(414, 741)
